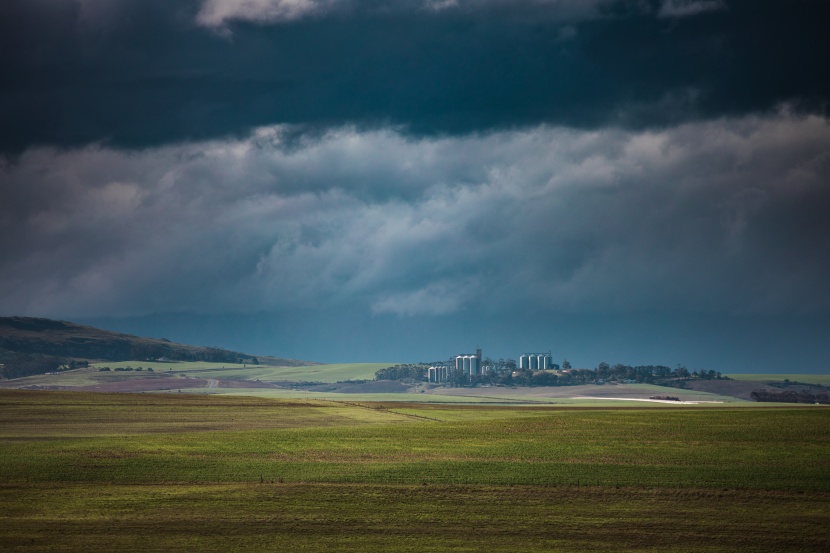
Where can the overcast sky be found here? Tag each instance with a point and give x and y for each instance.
(642, 181)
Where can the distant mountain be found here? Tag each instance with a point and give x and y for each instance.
(40, 344)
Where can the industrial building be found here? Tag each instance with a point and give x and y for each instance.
(535, 361)
(467, 363)
(439, 373)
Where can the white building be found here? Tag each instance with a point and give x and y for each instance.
(468, 364)
(535, 361)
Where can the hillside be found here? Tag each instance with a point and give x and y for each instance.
(34, 345)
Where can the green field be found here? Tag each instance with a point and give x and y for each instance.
(265, 373)
(338, 397)
(343, 382)
(506, 396)
(83, 471)
(313, 373)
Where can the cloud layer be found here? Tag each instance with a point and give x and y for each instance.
(721, 216)
(144, 73)
(447, 169)
(221, 13)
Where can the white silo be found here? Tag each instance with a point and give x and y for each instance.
(474, 367)
(544, 362)
(524, 361)
(534, 362)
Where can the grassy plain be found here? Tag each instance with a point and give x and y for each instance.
(504, 396)
(267, 381)
(82, 471)
(384, 518)
(339, 397)
(92, 376)
(265, 373)
(194, 376)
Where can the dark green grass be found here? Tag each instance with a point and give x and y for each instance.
(370, 517)
(176, 472)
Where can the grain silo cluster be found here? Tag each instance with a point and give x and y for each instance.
(468, 364)
(467, 367)
(535, 361)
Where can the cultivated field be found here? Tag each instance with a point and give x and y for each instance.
(150, 376)
(179, 472)
(317, 373)
(353, 382)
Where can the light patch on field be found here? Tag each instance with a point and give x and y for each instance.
(581, 393)
(669, 401)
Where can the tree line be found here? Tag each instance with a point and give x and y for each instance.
(123, 369)
(790, 396)
(18, 365)
(417, 371)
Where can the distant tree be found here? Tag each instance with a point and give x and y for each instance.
(17, 365)
(566, 364)
(398, 372)
(544, 378)
(790, 396)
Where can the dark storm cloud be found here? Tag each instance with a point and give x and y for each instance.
(151, 72)
(727, 216)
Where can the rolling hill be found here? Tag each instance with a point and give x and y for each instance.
(34, 346)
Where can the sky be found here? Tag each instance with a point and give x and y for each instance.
(633, 181)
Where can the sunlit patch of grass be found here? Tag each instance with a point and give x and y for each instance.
(78, 414)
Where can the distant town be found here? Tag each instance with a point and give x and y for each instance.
(534, 369)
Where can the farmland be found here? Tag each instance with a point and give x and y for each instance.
(317, 373)
(353, 382)
(184, 472)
